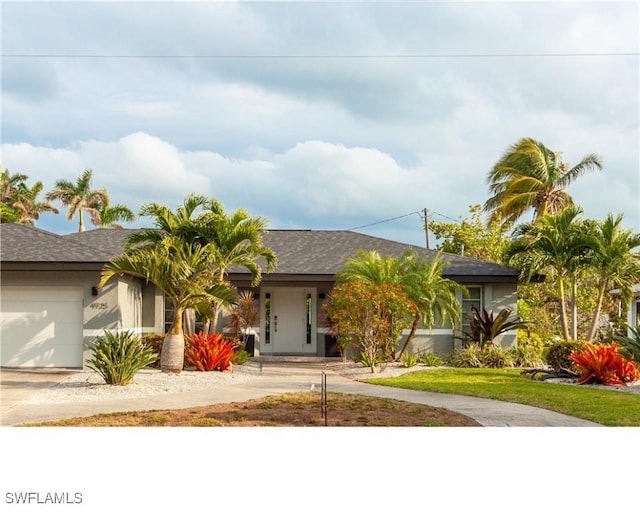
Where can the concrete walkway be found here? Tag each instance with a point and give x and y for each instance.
(276, 378)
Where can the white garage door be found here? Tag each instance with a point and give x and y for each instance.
(40, 327)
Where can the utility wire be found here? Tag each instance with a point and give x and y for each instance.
(317, 56)
(383, 221)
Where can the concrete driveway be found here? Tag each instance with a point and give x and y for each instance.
(17, 385)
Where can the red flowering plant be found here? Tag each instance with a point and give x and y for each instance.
(209, 352)
(603, 364)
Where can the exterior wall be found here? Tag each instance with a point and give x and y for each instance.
(503, 296)
(117, 306)
(152, 309)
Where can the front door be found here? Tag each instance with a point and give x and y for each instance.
(288, 323)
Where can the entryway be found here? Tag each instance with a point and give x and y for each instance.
(288, 323)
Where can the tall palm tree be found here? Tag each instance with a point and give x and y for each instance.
(185, 273)
(372, 267)
(531, 176)
(79, 197)
(615, 263)
(560, 244)
(110, 216)
(237, 238)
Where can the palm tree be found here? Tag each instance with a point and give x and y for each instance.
(434, 296)
(79, 197)
(110, 216)
(615, 263)
(561, 244)
(19, 203)
(531, 176)
(185, 273)
(26, 203)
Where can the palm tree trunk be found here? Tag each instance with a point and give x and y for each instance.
(574, 308)
(596, 314)
(414, 328)
(172, 355)
(81, 217)
(563, 309)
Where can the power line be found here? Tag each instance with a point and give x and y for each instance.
(317, 56)
(383, 221)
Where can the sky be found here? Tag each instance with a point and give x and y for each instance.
(319, 115)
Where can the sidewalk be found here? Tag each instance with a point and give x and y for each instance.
(281, 378)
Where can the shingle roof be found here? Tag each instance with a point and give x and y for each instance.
(22, 243)
(299, 252)
(324, 252)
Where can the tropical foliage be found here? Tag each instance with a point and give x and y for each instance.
(185, 273)
(629, 346)
(485, 326)
(603, 364)
(19, 202)
(530, 176)
(110, 216)
(118, 356)
(209, 352)
(434, 297)
(80, 198)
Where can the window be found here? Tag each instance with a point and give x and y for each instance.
(168, 313)
(267, 318)
(308, 313)
(474, 299)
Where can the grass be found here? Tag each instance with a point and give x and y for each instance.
(611, 408)
(290, 410)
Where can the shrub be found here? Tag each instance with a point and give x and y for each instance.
(466, 357)
(117, 357)
(429, 359)
(365, 360)
(209, 352)
(239, 357)
(496, 357)
(409, 359)
(603, 364)
(154, 342)
(557, 355)
(526, 356)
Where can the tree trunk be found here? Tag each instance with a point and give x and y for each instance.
(574, 308)
(596, 314)
(172, 355)
(81, 216)
(414, 328)
(563, 309)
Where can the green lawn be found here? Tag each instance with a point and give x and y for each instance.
(612, 408)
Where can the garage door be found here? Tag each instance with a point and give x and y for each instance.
(40, 327)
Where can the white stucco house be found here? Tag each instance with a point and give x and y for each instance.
(50, 307)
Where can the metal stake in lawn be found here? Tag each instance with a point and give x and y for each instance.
(323, 406)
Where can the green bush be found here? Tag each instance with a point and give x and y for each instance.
(466, 357)
(117, 357)
(496, 357)
(409, 359)
(239, 357)
(429, 359)
(557, 354)
(526, 356)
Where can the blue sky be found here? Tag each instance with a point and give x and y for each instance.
(323, 115)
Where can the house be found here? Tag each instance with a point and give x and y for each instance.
(633, 313)
(50, 306)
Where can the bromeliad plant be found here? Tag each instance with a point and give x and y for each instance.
(485, 327)
(117, 357)
(630, 345)
(603, 364)
(209, 352)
